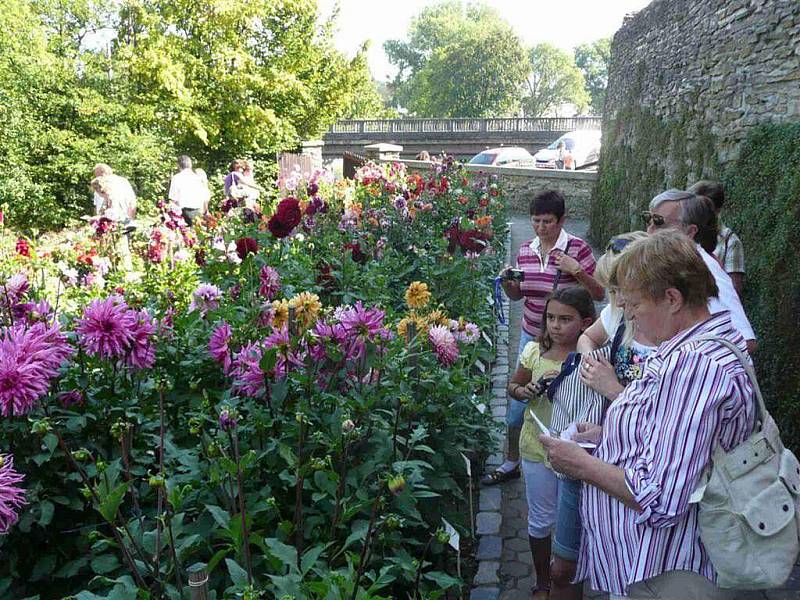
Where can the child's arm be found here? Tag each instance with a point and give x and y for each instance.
(519, 386)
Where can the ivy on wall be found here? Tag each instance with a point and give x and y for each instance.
(762, 190)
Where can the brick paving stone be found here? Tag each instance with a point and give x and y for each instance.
(750, 595)
(485, 593)
(487, 572)
(487, 523)
(490, 547)
(516, 569)
(495, 460)
(518, 545)
(491, 498)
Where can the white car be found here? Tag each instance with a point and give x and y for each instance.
(583, 145)
(510, 156)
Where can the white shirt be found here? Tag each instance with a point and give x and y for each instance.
(186, 189)
(728, 298)
(561, 244)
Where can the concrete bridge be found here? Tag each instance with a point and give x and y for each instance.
(462, 138)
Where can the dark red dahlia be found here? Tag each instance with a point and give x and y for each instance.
(286, 218)
(245, 246)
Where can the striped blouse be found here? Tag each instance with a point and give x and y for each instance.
(539, 277)
(661, 430)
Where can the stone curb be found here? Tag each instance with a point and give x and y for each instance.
(489, 519)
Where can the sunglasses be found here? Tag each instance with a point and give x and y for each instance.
(656, 220)
(617, 245)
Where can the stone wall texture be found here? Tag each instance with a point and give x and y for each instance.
(688, 79)
(521, 184)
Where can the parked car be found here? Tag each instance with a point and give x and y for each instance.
(510, 156)
(584, 145)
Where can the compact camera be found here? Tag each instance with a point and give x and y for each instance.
(514, 275)
(542, 384)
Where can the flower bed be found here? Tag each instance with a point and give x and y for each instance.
(280, 401)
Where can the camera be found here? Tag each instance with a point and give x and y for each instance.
(514, 275)
(542, 384)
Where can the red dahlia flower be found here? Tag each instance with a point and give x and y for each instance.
(286, 218)
(245, 246)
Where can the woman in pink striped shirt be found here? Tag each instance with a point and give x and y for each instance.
(640, 533)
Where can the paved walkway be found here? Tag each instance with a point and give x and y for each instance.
(516, 570)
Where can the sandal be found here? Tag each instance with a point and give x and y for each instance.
(498, 476)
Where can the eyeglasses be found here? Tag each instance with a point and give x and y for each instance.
(617, 245)
(656, 220)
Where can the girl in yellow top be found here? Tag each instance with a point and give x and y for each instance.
(567, 314)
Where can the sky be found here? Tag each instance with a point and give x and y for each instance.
(562, 23)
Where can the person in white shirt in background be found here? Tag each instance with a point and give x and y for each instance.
(188, 191)
(206, 191)
(729, 250)
(115, 199)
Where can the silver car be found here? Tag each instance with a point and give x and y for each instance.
(510, 156)
(583, 145)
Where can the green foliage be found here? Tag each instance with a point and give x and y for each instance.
(762, 190)
(554, 80)
(365, 101)
(217, 81)
(458, 63)
(593, 59)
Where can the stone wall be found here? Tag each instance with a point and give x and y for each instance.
(521, 184)
(688, 80)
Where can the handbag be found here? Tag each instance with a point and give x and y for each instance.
(748, 502)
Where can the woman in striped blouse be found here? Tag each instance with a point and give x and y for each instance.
(640, 533)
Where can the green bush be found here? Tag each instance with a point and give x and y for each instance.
(763, 206)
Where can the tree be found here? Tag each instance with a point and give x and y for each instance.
(216, 80)
(553, 80)
(365, 100)
(593, 60)
(458, 63)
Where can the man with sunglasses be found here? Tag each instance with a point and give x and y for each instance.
(696, 217)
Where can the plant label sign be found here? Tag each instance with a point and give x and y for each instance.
(455, 539)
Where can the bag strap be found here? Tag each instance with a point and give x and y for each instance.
(557, 279)
(745, 362)
(569, 366)
(617, 342)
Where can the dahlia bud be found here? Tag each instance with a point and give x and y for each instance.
(348, 426)
(397, 483)
(442, 536)
(156, 481)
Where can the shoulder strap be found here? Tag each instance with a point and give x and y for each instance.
(761, 407)
(557, 279)
(569, 366)
(617, 341)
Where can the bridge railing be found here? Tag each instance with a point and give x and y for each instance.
(348, 128)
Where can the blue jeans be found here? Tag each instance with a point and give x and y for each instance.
(516, 408)
(567, 541)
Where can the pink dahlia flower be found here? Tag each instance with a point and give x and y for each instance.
(12, 498)
(15, 288)
(205, 298)
(29, 359)
(270, 282)
(246, 370)
(286, 358)
(218, 345)
(142, 354)
(362, 325)
(107, 328)
(444, 344)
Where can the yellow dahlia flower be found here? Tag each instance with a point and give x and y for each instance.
(417, 295)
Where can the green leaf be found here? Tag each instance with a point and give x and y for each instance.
(43, 567)
(222, 517)
(47, 509)
(237, 573)
(104, 564)
(268, 360)
(443, 580)
(110, 504)
(50, 442)
(287, 554)
(310, 558)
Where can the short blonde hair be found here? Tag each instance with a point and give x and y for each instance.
(101, 170)
(602, 270)
(664, 260)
